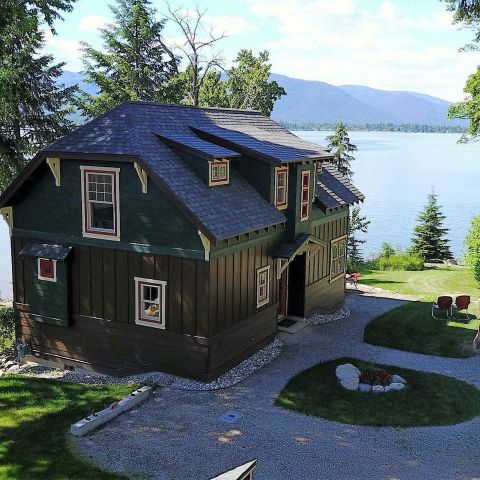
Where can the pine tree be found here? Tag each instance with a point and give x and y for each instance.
(341, 147)
(135, 64)
(34, 108)
(429, 238)
(357, 224)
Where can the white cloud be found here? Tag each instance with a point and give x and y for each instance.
(387, 47)
(64, 50)
(91, 23)
(230, 25)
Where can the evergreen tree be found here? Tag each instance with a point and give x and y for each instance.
(135, 64)
(429, 238)
(34, 108)
(248, 83)
(341, 147)
(356, 224)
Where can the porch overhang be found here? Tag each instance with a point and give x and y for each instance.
(304, 243)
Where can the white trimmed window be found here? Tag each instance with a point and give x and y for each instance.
(100, 202)
(263, 286)
(281, 187)
(150, 302)
(305, 196)
(337, 257)
(219, 172)
(47, 269)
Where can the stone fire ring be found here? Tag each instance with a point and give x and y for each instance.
(349, 377)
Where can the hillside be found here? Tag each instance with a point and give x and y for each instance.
(310, 101)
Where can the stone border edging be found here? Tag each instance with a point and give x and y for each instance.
(87, 424)
(320, 319)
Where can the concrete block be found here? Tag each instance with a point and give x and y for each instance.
(93, 421)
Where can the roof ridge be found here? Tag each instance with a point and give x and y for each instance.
(196, 107)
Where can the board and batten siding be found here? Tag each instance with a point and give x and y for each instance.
(212, 321)
(320, 292)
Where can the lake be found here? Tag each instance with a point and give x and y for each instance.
(395, 171)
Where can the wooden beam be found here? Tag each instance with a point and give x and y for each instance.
(206, 245)
(142, 175)
(7, 214)
(54, 164)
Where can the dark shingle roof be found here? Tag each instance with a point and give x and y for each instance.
(192, 143)
(133, 128)
(137, 129)
(334, 190)
(269, 145)
(45, 250)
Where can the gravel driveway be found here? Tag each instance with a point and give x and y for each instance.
(178, 434)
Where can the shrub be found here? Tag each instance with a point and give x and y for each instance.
(376, 376)
(472, 242)
(401, 261)
(7, 327)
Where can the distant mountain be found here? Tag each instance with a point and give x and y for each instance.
(310, 101)
(318, 102)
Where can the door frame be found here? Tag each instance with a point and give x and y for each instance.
(283, 283)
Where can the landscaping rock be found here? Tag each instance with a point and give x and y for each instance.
(9, 364)
(350, 383)
(395, 386)
(347, 370)
(378, 389)
(398, 379)
(364, 387)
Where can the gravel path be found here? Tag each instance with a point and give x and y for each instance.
(178, 434)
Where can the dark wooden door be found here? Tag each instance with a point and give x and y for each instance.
(296, 286)
(282, 295)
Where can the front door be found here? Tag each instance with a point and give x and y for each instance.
(282, 295)
(296, 286)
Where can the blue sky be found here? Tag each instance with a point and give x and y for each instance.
(388, 44)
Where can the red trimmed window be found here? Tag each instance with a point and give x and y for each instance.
(100, 202)
(305, 199)
(219, 172)
(263, 286)
(46, 269)
(150, 298)
(281, 187)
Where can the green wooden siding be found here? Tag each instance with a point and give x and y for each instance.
(146, 220)
(48, 301)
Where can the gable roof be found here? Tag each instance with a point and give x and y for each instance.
(146, 132)
(335, 190)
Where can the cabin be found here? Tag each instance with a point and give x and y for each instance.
(173, 238)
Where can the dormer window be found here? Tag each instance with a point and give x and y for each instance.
(219, 173)
(305, 196)
(281, 187)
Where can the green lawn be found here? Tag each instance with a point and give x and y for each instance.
(426, 285)
(35, 415)
(429, 399)
(411, 327)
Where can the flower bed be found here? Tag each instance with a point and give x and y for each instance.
(375, 380)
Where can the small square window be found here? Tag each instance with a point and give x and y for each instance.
(47, 269)
(263, 286)
(150, 302)
(219, 172)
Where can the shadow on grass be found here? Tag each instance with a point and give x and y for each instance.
(411, 327)
(35, 415)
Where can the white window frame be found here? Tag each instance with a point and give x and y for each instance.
(338, 274)
(279, 171)
(261, 301)
(305, 173)
(87, 230)
(47, 279)
(218, 163)
(162, 286)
